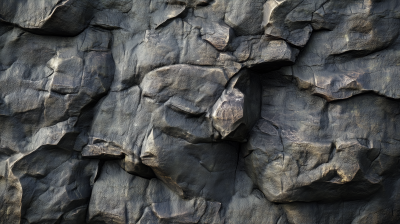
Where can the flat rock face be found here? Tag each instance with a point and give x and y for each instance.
(199, 111)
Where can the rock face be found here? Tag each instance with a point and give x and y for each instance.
(199, 111)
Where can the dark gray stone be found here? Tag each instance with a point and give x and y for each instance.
(128, 196)
(199, 111)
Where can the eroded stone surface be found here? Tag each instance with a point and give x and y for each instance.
(327, 159)
(199, 111)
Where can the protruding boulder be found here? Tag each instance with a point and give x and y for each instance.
(263, 54)
(199, 85)
(238, 108)
(103, 149)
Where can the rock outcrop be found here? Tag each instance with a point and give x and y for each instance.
(199, 111)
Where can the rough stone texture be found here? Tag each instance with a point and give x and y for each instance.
(199, 111)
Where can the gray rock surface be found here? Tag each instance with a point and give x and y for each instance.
(199, 111)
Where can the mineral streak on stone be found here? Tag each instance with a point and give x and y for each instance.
(199, 111)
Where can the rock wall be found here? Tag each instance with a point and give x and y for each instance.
(199, 111)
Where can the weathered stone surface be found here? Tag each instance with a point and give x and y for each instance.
(199, 111)
(291, 19)
(264, 54)
(245, 16)
(64, 18)
(348, 57)
(55, 183)
(215, 165)
(249, 205)
(328, 159)
(218, 34)
(128, 196)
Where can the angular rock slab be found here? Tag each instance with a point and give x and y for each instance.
(11, 195)
(249, 205)
(163, 11)
(263, 54)
(169, 207)
(118, 130)
(117, 196)
(55, 185)
(184, 81)
(192, 170)
(64, 18)
(245, 17)
(218, 34)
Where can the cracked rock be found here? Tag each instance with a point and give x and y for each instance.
(199, 111)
